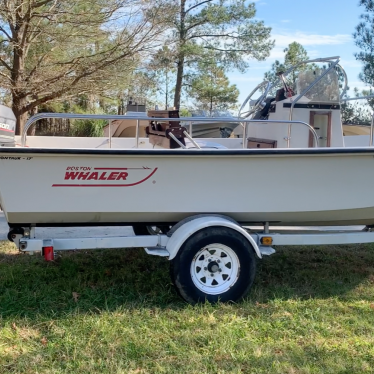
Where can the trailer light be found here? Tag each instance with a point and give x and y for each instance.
(48, 253)
(266, 240)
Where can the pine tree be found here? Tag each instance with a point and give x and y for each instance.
(212, 90)
(294, 54)
(226, 29)
(364, 39)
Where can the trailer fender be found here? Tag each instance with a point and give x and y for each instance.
(183, 232)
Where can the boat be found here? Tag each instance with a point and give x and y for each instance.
(290, 167)
(154, 187)
(283, 170)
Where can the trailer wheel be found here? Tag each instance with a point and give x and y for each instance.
(150, 230)
(215, 264)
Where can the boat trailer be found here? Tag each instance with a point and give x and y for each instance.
(213, 258)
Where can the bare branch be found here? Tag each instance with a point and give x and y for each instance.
(202, 22)
(225, 50)
(2, 62)
(6, 76)
(197, 5)
(39, 4)
(6, 33)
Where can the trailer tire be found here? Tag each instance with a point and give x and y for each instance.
(150, 230)
(214, 264)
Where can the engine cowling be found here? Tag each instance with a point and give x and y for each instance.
(7, 127)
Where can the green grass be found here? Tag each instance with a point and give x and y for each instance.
(311, 310)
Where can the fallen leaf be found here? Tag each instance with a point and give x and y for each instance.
(372, 306)
(44, 341)
(75, 296)
(14, 326)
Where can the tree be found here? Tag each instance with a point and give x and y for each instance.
(357, 112)
(224, 28)
(364, 39)
(212, 90)
(139, 87)
(294, 54)
(59, 48)
(163, 71)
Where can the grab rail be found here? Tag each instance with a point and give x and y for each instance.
(109, 117)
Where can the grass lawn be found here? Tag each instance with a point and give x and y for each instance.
(311, 310)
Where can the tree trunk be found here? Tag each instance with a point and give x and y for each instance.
(178, 86)
(180, 64)
(20, 113)
(31, 131)
(19, 100)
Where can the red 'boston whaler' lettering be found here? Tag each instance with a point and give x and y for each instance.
(94, 175)
(105, 177)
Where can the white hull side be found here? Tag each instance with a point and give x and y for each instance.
(312, 188)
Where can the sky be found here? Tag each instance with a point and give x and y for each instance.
(323, 27)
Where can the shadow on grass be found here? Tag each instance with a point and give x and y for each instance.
(92, 281)
(314, 272)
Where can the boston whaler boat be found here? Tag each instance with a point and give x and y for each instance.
(289, 167)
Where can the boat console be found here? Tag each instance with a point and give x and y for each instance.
(312, 98)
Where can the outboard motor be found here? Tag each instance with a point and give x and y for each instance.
(7, 127)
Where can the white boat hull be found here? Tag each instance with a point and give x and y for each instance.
(95, 187)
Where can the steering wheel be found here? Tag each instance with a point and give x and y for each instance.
(258, 104)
